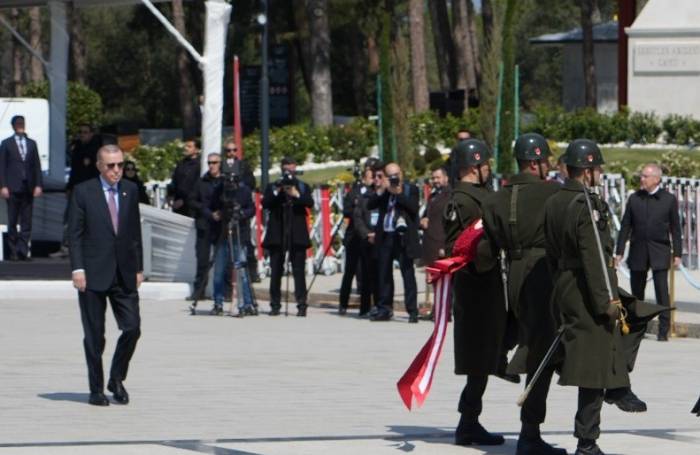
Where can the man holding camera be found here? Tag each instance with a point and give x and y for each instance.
(396, 237)
(287, 201)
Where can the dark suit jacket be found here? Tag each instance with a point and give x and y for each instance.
(277, 205)
(649, 220)
(14, 171)
(350, 200)
(407, 205)
(434, 236)
(184, 179)
(92, 242)
(83, 159)
(244, 198)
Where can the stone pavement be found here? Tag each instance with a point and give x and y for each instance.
(319, 385)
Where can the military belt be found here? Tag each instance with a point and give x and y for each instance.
(570, 263)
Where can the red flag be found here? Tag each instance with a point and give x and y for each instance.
(417, 380)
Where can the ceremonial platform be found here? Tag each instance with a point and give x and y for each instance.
(287, 385)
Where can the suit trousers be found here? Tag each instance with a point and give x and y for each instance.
(19, 211)
(391, 248)
(125, 306)
(638, 282)
(470, 401)
(587, 423)
(353, 255)
(368, 270)
(202, 249)
(534, 409)
(297, 256)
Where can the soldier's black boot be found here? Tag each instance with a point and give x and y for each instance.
(625, 399)
(530, 443)
(696, 409)
(472, 433)
(588, 447)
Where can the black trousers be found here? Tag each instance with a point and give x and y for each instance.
(202, 248)
(534, 409)
(19, 211)
(125, 306)
(353, 255)
(638, 281)
(392, 248)
(587, 423)
(251, 258)
(470, 401)
(297, 256)
(369, 290)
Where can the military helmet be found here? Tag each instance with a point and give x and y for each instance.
(469, 152)
(531, 147)
(583, 153)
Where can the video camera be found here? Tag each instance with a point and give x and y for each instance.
(230, 177)
(288, 179)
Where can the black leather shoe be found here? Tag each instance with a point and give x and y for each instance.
(217, 310)
(13, 258)
(382, 316)
(119, 393)
(274, 312)
(98, 399)
(510, 377)
(342, 311)
(662, 337)
(374, 311)
(536, 446)
(625, 399)
(301, 312)
(696, 409)
(475, 434)
(413, 318)
(588, 448)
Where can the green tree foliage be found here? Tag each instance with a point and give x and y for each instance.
(84, 104)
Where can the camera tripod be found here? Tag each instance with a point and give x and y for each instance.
(226, 236)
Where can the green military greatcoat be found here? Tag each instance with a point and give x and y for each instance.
(594, 352)
(514, 222)
(479, 308)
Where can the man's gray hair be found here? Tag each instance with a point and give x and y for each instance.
(109, 148)
(655, 169)
(214, 154)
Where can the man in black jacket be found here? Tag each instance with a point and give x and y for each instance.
(396, 238)
(650, 218)
(20, 183)
(83, 155)
(185, 178)
(200, 202)
(106, 257)
(287, 202)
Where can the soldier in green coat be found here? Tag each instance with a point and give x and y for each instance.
(594, 355)
(514, 223)
(480, 316)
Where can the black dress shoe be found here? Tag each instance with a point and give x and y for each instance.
(217, 310)
(536, 446)
(342, 311)
(301, 312)
(413, 318)
(274, 312)
(696, 409)
(475, 434)
(13, 258)
(625, 399)
(382, 316)
(510, 377)
(662, 337)
(119, 393)
(588, 448)
(98, 399)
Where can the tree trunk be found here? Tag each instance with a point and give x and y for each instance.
(444, 46)
(359, 75)
(301, 25)
(466, 73)
(487, 19)
(476, 58)
(587, 9)
(16, 56)
(320, 41)
(419, 74)
(183, 67)
(78, 50)
(37, 68)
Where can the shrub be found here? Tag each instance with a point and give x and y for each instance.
(681, 130)
(157, 163)
(644, 127)
(84, 105)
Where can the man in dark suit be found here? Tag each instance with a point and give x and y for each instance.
(287, 201)
(20, 183)
(185, 177)
(396, 238)
(107, 262)
(650, 218)
(83, 155)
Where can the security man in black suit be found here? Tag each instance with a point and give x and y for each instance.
(185, 177)
(107, 261)
(651, 217)
(20, 183)
(287, 201)
(396, 237)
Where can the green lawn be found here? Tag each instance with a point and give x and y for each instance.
(636, 157)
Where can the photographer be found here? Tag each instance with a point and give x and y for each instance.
(396, 237)
(287, 201)
(231, 210)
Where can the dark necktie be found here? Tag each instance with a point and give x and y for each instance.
(113, 212)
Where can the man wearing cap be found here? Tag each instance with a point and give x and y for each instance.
(480, 315)
(287, 201)
(514, 223)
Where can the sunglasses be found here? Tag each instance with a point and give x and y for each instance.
(231, 150)
(213, 162)
(129, 169)
(120, 165)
